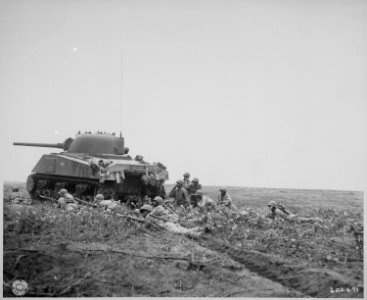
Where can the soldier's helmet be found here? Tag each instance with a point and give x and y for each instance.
(15, 189)
(63, 191)
(272, 204)
(186, 175)
(199, 192)
(195, 180)
(69, 198)
(99, 197)
(146, 207)
(223, 189)
(158, 199)
(180, 182)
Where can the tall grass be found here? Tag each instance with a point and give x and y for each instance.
(58, 225)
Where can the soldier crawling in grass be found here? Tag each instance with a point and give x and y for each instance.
(277, 210)
(164, 217)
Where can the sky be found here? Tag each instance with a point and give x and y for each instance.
(238, 93)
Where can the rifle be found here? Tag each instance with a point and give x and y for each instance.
(139, 220)
(131, 218)
(166, 205)
(84, 202)
(48, 198)
(281, 207)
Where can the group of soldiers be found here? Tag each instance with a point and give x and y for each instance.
(162, 210)
(188, 193)
(69, 202)
(187, 198)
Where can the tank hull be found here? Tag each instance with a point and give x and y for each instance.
(84, 176)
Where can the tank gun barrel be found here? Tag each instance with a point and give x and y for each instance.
(58, 145)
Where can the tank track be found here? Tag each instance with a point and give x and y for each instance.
(85, 189)
(49, 185)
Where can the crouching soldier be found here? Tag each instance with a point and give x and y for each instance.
(225, 200)
(194, 186)
(66, 200)
(203, 202)
(195, 198)
(180, 195)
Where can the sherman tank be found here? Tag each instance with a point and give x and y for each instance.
(94, 163)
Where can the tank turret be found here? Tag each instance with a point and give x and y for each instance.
(95, 143)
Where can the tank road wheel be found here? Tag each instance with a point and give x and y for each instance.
(31, 185)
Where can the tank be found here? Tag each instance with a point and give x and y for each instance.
(95, 163)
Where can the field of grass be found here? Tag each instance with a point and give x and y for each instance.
(92, 253)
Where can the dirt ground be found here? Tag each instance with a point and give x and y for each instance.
(254, 260)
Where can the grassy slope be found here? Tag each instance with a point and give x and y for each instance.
(327, 247)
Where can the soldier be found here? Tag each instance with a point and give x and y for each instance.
(65, 199)
(224, 199)
(145, 210)
(199, 200)
(194, 186)
(180, 195)
(97, 199)
(160, 210)
(274, 212)
(186, 180)
(205, 203)
(195, 198)
(108, 205)
(164, 218)
(278, 210)
(157, 201)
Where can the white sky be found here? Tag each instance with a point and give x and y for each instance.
(247, 93)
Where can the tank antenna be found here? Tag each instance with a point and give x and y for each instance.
(121, 97)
